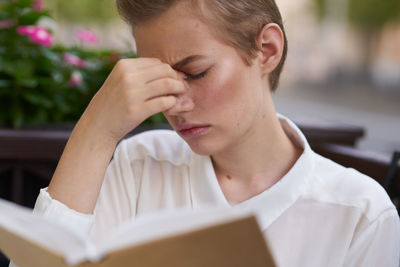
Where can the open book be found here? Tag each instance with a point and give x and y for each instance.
(206, 238)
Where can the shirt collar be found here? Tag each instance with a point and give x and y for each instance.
(271, 203)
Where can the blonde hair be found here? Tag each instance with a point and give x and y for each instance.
(237, 21)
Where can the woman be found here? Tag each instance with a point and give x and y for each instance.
(211, 66)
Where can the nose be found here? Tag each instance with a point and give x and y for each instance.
(184, 103)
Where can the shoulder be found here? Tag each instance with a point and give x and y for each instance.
(343, 186)
(160, 145)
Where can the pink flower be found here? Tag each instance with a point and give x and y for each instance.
(38, 5)
(74, 60)
(42, 36)
(76, 79)
(5, 24)
(26, 30)
(86, 36)
(37, 34)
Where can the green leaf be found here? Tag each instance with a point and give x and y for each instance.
(17, 116)
(5, 83)
(23, 3)
(50, 55)
(41, 116)
(34, 79)
(37, 99)
(30, 83)
(20, 69)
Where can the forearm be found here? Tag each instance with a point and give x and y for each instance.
(135, 90)
(80, 172)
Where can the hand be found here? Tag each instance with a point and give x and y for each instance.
(135, 90)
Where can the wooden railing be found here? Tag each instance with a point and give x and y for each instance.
(384, 169)
(28, 157)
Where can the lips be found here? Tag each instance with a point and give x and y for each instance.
(193, 130)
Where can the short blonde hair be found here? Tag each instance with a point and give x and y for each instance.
(237, 21)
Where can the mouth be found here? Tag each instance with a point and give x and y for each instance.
(192, 130)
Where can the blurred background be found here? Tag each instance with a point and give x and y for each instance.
(343, 63)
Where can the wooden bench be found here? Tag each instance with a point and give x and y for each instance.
(383, 168)
(28, 158)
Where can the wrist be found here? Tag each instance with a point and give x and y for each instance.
(93, 132)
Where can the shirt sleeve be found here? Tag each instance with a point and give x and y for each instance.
(57, 211)
(377, 243)
(116, 202)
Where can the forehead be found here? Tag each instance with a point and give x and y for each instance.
(175, 34)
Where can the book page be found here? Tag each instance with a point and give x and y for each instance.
(47, 234)
(75, 248)
(166, 224)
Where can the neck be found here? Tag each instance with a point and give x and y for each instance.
(256, 162)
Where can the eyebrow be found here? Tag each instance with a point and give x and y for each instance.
(186, 61)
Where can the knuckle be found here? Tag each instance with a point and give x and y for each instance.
(168, 69)
(130, 110)
(155, 59)
(159, 103)
(165, 103)
(121, 63)
(124, 78)
(167, 83)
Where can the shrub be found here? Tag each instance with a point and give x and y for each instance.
(42, 83)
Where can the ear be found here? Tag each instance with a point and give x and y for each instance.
(270, 42)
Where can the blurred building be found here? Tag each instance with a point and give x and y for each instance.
(321, 79)
(333, 49)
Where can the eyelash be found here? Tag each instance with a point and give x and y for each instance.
(196, 76)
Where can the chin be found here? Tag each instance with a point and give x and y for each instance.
(203, 147)
(201, 151)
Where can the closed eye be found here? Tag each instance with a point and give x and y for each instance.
(192, 77)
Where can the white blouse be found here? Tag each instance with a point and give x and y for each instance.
(318, 214)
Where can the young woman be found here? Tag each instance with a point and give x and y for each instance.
(211, 67)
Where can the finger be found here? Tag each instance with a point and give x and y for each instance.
(130, 66)
(135, 64)
(160, 104)
(147, 75)
(162, 87)
(128, 85)
(183, 104)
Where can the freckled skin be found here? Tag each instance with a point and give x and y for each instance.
(248, 147)
(231, 97)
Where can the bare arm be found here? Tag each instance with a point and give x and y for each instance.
(135, 90)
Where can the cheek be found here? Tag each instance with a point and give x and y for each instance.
(227, 93)
(224, 88)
